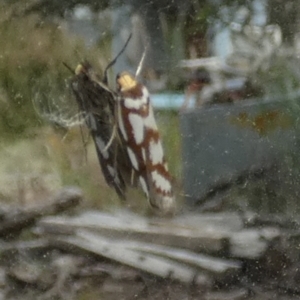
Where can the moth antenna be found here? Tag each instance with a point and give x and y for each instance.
(69, 68)
(65, 136)
(113, 135)
(141, 63)
(84, 142)
(115, 59)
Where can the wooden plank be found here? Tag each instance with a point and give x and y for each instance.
(158, 266)
(15, 221)
(35, 244)
(226, 221)
(237, 294)
(211, 264)
(204, 238)
(220, 268)
(252, 243)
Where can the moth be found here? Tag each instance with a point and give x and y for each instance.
(125, 134)
(139, 132)
(97, 104)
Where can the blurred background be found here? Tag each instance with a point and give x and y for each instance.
(224, 81)
(200, 54)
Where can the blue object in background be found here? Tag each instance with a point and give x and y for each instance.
(170, 101)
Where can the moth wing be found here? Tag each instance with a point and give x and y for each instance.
(97, 103)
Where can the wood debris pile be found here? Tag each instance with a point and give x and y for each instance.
(126, 256)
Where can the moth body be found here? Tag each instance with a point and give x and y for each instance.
(140, 134)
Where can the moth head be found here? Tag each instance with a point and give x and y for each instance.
(83, 68)
(125, 82)
(79, 69)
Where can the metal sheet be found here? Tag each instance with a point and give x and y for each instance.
(224, 140)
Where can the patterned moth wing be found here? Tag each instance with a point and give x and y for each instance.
(97, 103)
(138, 128)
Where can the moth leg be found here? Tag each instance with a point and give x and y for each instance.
(84, 141)
(113, 135)
(132, 179)
(114, 131)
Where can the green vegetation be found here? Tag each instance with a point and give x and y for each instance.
(36, 156)
(31, 57)
(36, 160)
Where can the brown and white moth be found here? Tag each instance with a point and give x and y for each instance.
(140, 134)
(133, 151)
